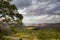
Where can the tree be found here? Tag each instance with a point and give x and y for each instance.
(9, 12)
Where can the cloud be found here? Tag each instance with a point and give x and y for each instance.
(22, 12)
(39, 10)
(39, 7)
(45, 8)
(22, 3)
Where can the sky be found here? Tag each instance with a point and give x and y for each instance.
(39, 11)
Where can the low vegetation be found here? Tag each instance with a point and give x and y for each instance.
(31, 34)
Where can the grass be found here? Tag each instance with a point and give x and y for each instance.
(42, 34)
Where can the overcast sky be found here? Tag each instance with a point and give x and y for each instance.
(36, 11)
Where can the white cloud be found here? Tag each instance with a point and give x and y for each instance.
(50, 7)
(21, 12)
(42, 19)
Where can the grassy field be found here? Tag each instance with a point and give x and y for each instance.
(42, 34)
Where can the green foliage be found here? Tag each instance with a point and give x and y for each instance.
(42, 34)
(6, 9)
(6, 38)
(12, 30)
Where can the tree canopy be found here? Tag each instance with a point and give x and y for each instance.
(9, 12)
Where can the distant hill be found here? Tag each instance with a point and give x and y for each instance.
(45, 25)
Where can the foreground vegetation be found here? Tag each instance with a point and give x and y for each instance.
(31, 34)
